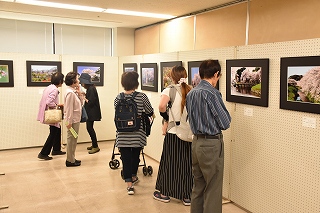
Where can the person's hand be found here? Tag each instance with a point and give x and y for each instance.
(69, 126)
(164, 128)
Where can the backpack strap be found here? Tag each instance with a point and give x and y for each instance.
(121, 95)
(172, 94)
(134, 94)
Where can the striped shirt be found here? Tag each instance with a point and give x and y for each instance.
(206, 110)
(137, 138)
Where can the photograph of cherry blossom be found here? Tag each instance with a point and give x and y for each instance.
(39, 72)
(149, 76)
(193, 74)
(6, 73)
(300, 84)
(132, 67)
(95, 70)
(248, 81)
(166, 68)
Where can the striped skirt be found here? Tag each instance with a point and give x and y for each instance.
(175, 170)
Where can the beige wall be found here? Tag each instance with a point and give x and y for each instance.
(269, 21)
(221, 28)
(147, 40)
(285, 20)
(177, 34)
(123, 41)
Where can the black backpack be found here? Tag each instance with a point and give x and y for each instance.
(126, 114)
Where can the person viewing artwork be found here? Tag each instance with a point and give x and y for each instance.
(131, 143)
(50, 100)
(92, 107)
(72, 116)
(175, 170)
(208, 116)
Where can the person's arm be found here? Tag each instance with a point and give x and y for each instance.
(51, 100)
(68, 109)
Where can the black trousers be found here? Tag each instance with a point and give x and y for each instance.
(130, 157)
(53, 141)
(92, 133)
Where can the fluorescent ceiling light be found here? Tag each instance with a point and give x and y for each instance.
(91, 9)
(60, 5)
(134, 13)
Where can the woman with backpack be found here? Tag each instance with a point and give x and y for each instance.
(131, 136)
(175, 169)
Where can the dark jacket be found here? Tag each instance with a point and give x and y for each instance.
(93, 105)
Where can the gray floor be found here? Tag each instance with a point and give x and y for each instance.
(33, 185)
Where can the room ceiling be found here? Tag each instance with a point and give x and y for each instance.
(44, 14)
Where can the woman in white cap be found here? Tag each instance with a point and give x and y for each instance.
(92, 106)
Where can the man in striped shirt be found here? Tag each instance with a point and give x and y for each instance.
(208, 116)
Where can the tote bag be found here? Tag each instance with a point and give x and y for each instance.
(183, 131)
(52, 116)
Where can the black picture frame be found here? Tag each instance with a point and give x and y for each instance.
(39, 72)
(130, 67)
(95, 70)
(300, 84)
(193, 74)
(6, 73)
(149, 76)
(248, 81)
(165, 70)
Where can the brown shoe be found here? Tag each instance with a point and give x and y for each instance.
(94, 150)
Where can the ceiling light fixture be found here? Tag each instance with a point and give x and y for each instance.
(91, 9)
(60, 5)
(135, 13)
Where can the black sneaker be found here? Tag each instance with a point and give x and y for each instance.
(186, 202)
(58, 153)
(130, 190)
(157, 196)
(44, 157)
(69, 164)
(135, 181)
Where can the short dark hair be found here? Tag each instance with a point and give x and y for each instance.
(71, 78)
(129, 80)
(57, 78)
(208, 68)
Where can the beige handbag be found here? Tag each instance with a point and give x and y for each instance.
(52, 116)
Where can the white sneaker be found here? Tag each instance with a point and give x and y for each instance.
(130, 190)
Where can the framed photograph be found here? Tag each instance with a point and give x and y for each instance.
(193, 74)
(166, 68)
(95, 70)
(300, 84)
(149, 76)
(248, 81)
(130, 67)
(39, 72)
(6, 73)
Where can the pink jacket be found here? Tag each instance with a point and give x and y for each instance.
(72, 107)
(50, 99)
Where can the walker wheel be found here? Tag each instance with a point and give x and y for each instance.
(150, 170)
(145, 171)
(114, 164)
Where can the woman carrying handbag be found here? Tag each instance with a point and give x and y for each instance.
(50, 100)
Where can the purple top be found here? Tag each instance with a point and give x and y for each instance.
(49, 100)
